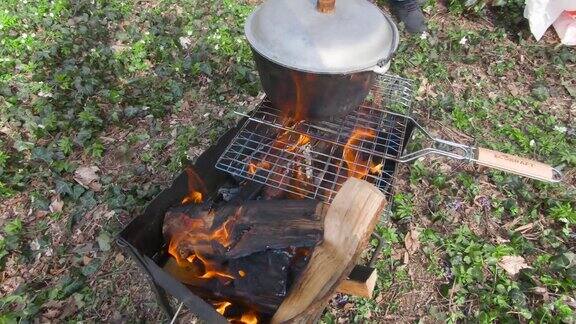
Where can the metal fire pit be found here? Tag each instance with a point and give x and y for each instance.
(142, 239)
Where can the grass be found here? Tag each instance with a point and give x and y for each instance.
(136, 89)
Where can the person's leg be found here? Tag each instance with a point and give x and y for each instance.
(409, 12)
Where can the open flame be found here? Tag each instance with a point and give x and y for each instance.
(198, 234)
(302, 140)
(248, 317)
(196, 188)
(221, 306)
(210, 268)
(254, 166)
(284, 141)
(195, 197)
(296, 108)
(358, 167)
(377, 169)
(187, 246)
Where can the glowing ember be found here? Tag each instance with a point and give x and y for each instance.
(252, 168)
(358, 168)
(221, 306)
(242, 273)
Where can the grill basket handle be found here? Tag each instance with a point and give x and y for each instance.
(517, 165)
(326, 6)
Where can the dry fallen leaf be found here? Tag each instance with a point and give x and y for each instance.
(513, 264)
(398, 254)
(51, 313)
(543, 292)
(524, 228)
(40, 213)
(569, 301)
(119, 258)
(56, 204)
(501, 240)
(87, 177)
(406, 259)
(411, 241)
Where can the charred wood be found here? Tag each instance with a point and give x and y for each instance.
(251, 227)
(249, 286)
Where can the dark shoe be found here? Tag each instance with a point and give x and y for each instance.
(410, 14)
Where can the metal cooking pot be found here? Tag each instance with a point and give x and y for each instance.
(318, 59)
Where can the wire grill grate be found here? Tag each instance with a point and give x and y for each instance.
(312, 159)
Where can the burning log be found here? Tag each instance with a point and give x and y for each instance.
(250, 190)
(270, 193)
(248, 286)
(189, 229)
(276, 224)
(279, 178)
(286, 163)
(243, 228)
(250, 281)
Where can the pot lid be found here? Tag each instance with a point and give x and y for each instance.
(355, 36)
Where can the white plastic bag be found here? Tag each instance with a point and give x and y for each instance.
(542, 13)
(565, 26)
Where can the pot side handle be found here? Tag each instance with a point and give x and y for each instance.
(384, 63)
(517, 165)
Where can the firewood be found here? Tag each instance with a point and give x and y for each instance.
(262, 273)
(253, 226)
(350, 220)
(250, 190)
(182, 217)
(178, 223)
(360, 282)
(274, 224)
(277, 180)
(260, 280)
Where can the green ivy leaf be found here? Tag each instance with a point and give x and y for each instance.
(104, 241)
(63, 187)
(77, 191)
(91, 267)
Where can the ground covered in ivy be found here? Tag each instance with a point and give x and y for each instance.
(102, 102)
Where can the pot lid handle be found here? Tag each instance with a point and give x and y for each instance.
(326, 6)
